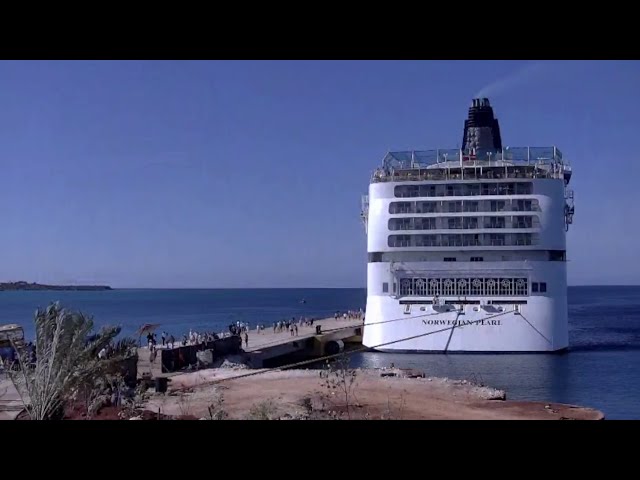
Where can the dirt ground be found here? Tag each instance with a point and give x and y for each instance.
(300, 394)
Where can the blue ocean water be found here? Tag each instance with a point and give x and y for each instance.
(600, 370)
(179, 310)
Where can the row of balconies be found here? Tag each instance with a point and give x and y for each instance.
(464, 189)
(460, 206)
(464, 240)
(464, 223)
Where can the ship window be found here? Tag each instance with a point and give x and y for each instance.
(534, 287)
(426, 207)
(427, 190)
(375, 257)
(449, 259)
(522, 222)
(473, 189)
(522, 239)
(400, 224)
(385, 287)
(489, 189)
(471, 240)
(494, 222)
(424, 223)
(407, 191)
(543, 287)
(401, 207)
(470, 223)
(451, 240)
(399, 240)
(455, 207)
(497, 205)
(456, 190)
(496, 239)
(523, 188)
(427, 240)
(477, 259)
(523, 206)
(471, 206)
(455, 222)
(557, 255)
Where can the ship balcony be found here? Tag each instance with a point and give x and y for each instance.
(464, 190)
(464, 206)
(449, 240)
(464, 223)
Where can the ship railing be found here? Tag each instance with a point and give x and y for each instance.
(540, 162)
(401, 270)
(364, 205)
(468, 239)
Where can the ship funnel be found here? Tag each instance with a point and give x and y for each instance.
(481, 128)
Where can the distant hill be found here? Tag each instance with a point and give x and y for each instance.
(38, 286)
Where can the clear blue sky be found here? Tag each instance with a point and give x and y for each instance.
(249, 174)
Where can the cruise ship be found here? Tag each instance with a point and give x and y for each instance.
(467, 247)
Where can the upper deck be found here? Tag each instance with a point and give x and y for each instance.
(454, 164)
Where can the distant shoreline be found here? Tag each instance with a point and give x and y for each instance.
(21, 286)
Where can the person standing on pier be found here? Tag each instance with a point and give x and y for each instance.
(246, 339)
(164, 338)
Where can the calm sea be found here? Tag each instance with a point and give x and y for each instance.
(600, 370)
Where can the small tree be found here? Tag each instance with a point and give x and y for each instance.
(66, 359)
(216, 408)
(339, 379)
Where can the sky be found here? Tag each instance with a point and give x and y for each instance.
(239, 174)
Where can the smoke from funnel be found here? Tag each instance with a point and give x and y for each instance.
(517, 78)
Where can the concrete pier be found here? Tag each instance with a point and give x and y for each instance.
(10, 402)
(266, 347)
(172, 360)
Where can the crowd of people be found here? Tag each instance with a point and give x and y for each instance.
(242, 329)
(350, 314)
(169, 341)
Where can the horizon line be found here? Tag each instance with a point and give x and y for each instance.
(319, 288)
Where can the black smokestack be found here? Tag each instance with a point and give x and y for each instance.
(481, 129)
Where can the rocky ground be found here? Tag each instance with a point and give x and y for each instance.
(235, 392)
(373, 394)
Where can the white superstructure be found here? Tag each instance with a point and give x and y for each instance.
(466, 248)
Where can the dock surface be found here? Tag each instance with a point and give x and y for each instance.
(268, 338)
(10, 403)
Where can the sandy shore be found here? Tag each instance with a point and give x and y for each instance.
(302, 394)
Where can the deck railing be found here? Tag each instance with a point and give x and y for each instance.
(510, 162)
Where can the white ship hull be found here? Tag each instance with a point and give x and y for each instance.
(538, 326)
(536, 322)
